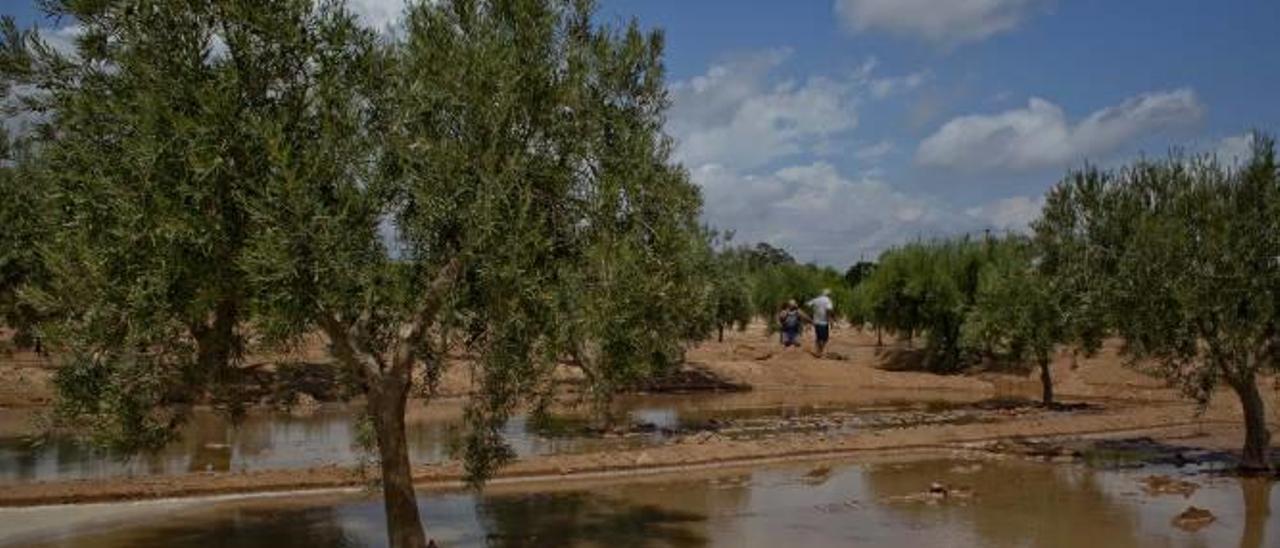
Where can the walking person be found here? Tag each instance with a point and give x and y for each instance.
(821, 307)
(790, 320)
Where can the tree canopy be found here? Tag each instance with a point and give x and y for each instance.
(1179, 258)
(491, 178)
(23, 214)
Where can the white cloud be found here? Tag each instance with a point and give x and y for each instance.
(885, 87)
(874, 153)
(1009, 214)
(1235, 150)
(733, 115)
(63, 39)
(947, 22)
(1040, 136)
(738, 113)
(15, 117)
(753, 140)
(818, 214)
(378, 14)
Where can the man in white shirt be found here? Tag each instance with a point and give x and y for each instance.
(822, 307)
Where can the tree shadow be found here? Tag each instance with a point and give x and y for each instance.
(581, 518)
(250, 527)
(1143, 451)
(902, 359)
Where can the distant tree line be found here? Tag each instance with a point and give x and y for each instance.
(754, 282)
(1178, 257)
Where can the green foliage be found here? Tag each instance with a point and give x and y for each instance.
(929, 288)
(773, 286)
(1179, 257)
(162, 131)
(493, 177)
(858, 272)
(1013, 314)
(730, 292)
(764, 256)
(24, 216)
(1021, 315)
(516, 149)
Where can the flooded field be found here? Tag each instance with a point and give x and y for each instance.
(932, 502)
(326, 436)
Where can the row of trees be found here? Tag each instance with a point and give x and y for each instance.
(974, 300)
(1179, 257)
(207, 177)
(754, 282)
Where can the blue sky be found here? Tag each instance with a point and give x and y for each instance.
(836, 128)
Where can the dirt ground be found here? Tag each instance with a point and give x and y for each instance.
(1131, 405)
(750, 357)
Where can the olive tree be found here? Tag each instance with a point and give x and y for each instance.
(929, 288)
(730, 287)
(505, 189)
(1019, 313)
(492, 178)
(1179, 257)
(772, 286)
(155, 136)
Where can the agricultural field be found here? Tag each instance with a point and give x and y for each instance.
(423, 273)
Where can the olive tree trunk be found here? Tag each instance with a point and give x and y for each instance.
(387, 399)
(1257, 440)
(387, 394)
(1046, 382)
(216, 340)
(387, 380)
(217, 347)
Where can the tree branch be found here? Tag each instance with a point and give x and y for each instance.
(411, 334)
(345, 350)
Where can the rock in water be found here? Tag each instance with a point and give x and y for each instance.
(819, 472)
(1193, 519)
(937, 489)
(1165, 485)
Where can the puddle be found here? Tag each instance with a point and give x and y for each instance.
(997, 503)
(278, 440)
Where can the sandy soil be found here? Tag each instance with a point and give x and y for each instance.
(1133, 405)
(750, 357)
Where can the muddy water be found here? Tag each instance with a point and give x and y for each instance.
(326, 436)
(990, 503)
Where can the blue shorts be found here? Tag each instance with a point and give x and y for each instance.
(822, 331)
(791, 337)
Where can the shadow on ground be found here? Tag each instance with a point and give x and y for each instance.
(579, 519)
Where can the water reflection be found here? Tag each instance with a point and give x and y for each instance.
(275, 440)
(1014, 504)
(1037, 506)
(582, 518)
(1257, 511)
